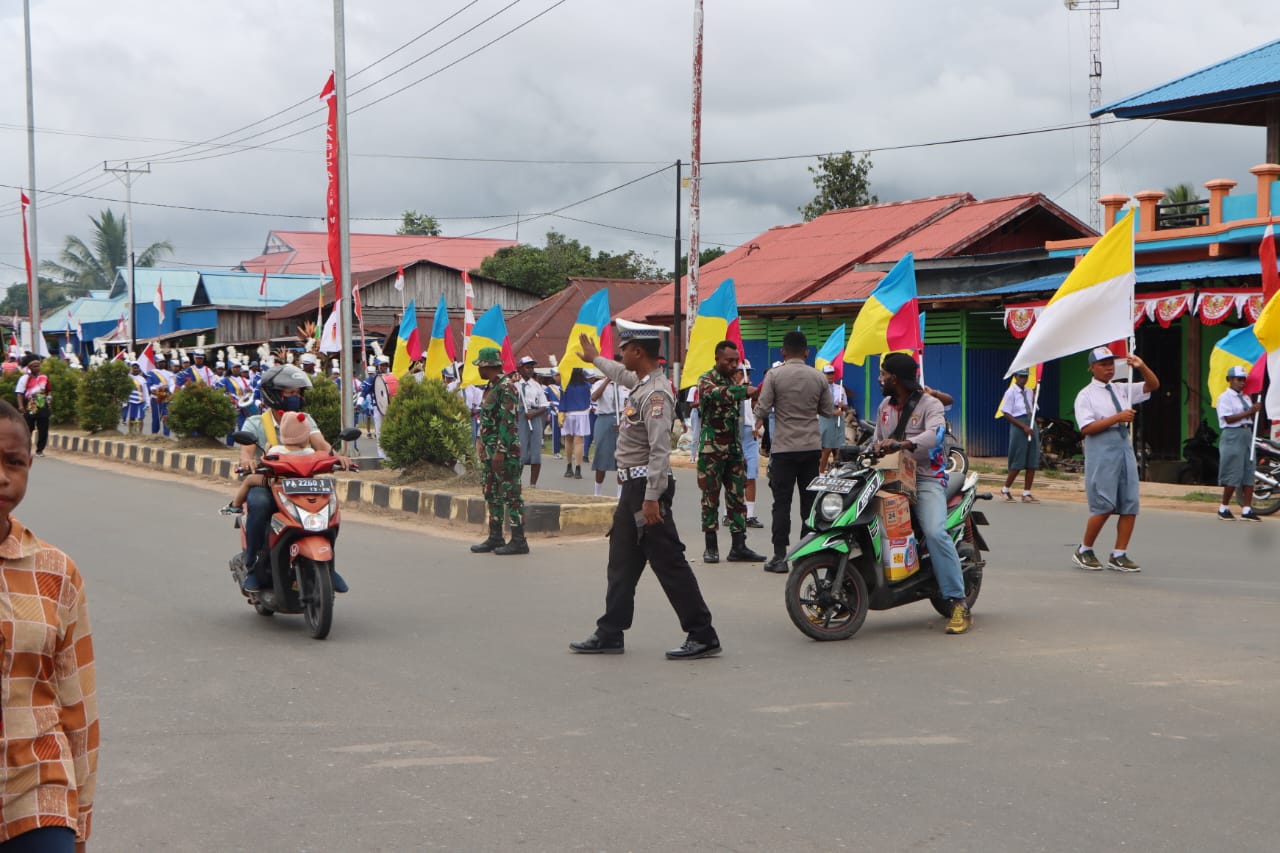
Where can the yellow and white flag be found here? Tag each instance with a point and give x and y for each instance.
(1093, 307)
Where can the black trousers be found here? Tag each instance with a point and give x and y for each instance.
(659, 545)
(787, 472)
(39, 426)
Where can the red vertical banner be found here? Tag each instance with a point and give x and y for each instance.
(26, 246)
(1267, 258)
(329, 96)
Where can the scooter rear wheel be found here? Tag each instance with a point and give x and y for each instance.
(317, 597)
(818, 610)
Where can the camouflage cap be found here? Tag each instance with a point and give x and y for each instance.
(489, 357)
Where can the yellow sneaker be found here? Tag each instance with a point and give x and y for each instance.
(961, 619)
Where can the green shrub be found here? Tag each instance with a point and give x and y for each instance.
(324, 404)
(103, 391)
(200, 409)
(8, 382)
(64, 384)
(425, 423)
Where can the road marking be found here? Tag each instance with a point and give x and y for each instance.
(921, 740)
(812, 706)
(436, 761)
(385, 747)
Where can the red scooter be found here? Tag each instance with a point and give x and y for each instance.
(300, 537)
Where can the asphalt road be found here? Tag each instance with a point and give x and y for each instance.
(1085, 712)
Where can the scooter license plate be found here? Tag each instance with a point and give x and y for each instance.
(307, 486)
(830, 484)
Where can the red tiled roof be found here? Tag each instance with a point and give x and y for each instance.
(961, 227)
(814, 261)
(787, 262)
(543, 330)
(375, 251)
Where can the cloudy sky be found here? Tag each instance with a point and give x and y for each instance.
(591, 95)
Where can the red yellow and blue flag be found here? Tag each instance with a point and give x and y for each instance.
(489, 331)
(832, 352)
(593, 321)
(441, 352)
(1240, 348)
(408, 344)
(890, 318)
(717, 321)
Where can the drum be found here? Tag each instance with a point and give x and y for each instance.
(385, 386)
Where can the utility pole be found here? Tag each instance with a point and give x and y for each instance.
(1095, 8)
(676, 339)
(34, 247)
(127, 175)
(695, 172)
(344, 215)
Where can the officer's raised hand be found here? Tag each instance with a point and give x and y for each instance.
(587, 349)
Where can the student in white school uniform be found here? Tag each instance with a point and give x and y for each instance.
(1236, 467)
(1024, 441)
(1104, 411)
(609, 398)
(832, 428)
(532, 417)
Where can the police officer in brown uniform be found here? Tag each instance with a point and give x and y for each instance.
(643, 529)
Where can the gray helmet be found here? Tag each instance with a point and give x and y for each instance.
(279, 378)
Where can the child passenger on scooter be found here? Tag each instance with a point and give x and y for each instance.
(295, 439)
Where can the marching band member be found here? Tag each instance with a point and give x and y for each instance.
(139, 399)
(161, 383)
(198, 371)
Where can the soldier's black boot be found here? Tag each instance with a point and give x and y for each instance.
(517, 545)
(740, 553)
(712, 554)
(493, 542)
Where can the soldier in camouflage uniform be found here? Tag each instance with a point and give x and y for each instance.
(500, 455)
(720, 459)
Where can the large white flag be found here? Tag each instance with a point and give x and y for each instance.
(329, 340)
(1093, 307)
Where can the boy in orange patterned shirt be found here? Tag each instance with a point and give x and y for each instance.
(48, 707)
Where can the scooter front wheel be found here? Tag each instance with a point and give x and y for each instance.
(819, 610)
(317, 597)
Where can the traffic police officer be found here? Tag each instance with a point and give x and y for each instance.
(500, 455)
(643, 529)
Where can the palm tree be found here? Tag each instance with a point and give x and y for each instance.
(83, 269)
(1190, 209)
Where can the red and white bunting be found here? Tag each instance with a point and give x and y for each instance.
(158, 301)
(330, 96)
(1019, 319)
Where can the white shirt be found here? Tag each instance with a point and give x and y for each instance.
(1017, 400)
(748, 415)
(839, 397)
(22, 383)
(473, 396)
(532, 394)
(1094, 402)
(1231, 403)
(611, 400)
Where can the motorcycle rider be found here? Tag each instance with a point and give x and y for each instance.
(926, 425)
(282, 389)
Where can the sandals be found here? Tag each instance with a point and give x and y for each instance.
(1008, 495)
(1028, 499)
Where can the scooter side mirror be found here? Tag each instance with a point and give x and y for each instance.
(244, 437)
(349, 434)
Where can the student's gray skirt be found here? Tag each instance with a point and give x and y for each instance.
(1235, 468)
(1023, 453)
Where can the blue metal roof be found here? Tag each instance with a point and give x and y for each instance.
(1253, 73)
(1154, 274)
(179, 284)
(240, 289)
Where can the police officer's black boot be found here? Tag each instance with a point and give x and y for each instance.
(740, 553)
(517, 545)
(493, 542)
(712, 554)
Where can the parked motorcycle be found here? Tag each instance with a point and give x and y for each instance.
(1201, 454)
(1061, 444)
(1266, 487)
(300, 537)
(838, 573)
